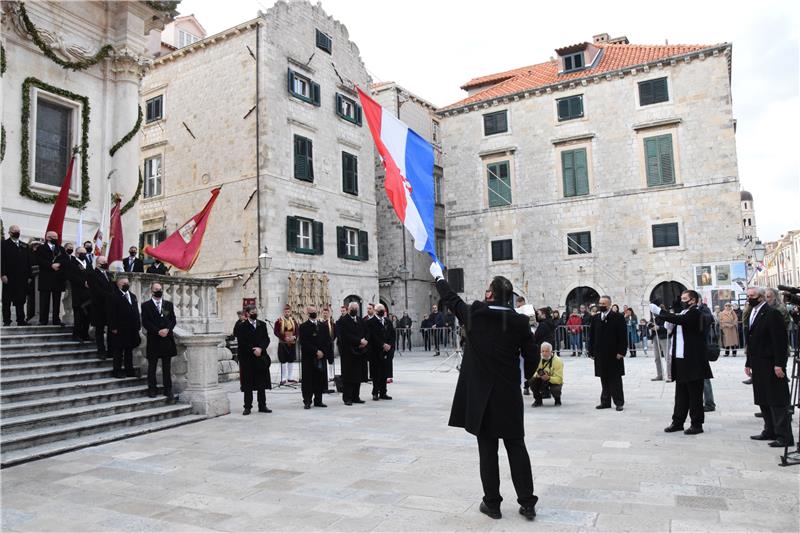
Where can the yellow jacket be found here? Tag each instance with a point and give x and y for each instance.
(554, 367)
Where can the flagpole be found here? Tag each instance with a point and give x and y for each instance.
(402, 226)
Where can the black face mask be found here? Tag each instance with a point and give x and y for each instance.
(14, 235)
(104, 266)
(685, 305)
(381, 313)
(69, 251)
(312, 315)
(125, 287)
(158, 294)
(89, 249)
(253, 316)
(82, 256)
(353, 313)
(753, 302)
(602, 308)
(52, 241)
(133, 254)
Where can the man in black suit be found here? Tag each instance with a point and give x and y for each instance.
(101, 288)
(89, 246)
(158, 320)
(252, 338)
(158, 268)
(607, 344)
(381, 349)
(352, 335)
(488, 400)
(132, 263)
(77, 273)
(51, 259)
(16, 273)
(689, 362)
(767, 350)
(315, 348)
(124, 323)
(30, 303)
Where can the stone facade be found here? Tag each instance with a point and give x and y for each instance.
(748, 218)
(405, 284)
(209, 135)
(619, 208)
(75, 31)
(781, 262)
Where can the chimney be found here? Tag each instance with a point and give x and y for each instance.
(600, 38)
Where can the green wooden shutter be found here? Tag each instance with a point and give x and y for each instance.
(652, 161)
(341, 242)
(581, 173)
(568, 172)
(576, 107)
(645, 93)
(353, 174)
(317, 237)
(300, 162)
(315, 96)
(291, 81)
(563, 109)
(363, 246)
(358, 115)
(162, 236)
(339, 104)
(659, 89)
(665, 159)
(309, 160)
(292, 230)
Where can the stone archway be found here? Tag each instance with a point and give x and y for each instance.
(357, 299)
(667, 292)
(581, 296)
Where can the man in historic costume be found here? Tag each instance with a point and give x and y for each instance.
(381, 348)
(252, 337)
(124, 323)
(77, 272)
(51, 259)
(607, 344)
(101, 287)
(286, 331)
(15, 263)
(488, 400)
(315, 349)
(158, 320)
(352, 335)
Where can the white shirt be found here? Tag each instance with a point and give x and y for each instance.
(127, 296)
(603, 316)
(253, 323)
(755, 311)
(157, 301)
(679, 338)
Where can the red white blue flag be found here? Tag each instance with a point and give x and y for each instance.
(408, 160)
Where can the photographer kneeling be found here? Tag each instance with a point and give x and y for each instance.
(549, 376)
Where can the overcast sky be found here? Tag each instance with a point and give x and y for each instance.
(432, 47)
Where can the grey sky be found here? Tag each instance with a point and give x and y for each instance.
(432, 47)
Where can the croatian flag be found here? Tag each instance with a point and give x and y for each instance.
(408, 160)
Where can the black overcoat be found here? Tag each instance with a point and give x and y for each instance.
(768, 347)
(314, 337)
(488, 399)
(100, 288)
(153, 322)
(607, 338)
(124, 318)
(378, 336)
(51, 280)
(694, 364)
(350, 331)
(15, 264)
(254, 371)
(78, 276)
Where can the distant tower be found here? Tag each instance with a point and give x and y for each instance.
(748, 216)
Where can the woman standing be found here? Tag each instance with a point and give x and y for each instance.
(729, 329)
(633, 334)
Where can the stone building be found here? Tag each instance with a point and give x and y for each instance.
(182, 31)
(749, 228)
(610, 169)
(405, 282)
(293, 156)
(781, 262)
(70, 78)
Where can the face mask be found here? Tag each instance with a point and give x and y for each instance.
(125, 287)
(158, 294)
(602, 308)
(104, 266)
(69, 251)
(14, 235)
(81, 256)
(52, 241)
(89, 249)
(133, 254)
(753, 302)
(684, 305)
(253, 316)
(312, 315)
(353, 312)
(381, 313)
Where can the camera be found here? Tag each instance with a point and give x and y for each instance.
(791, 295)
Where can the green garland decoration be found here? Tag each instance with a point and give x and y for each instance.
(104, 52)
(2, 60)
(25, 185)
(136, 194)
(2, 143)
(164, 5)
(129, 136)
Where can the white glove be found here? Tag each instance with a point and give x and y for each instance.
(656, 310)
(436, 271)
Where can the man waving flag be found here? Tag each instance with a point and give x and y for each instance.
(408, 160)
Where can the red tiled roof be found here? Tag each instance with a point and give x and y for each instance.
(614, 57)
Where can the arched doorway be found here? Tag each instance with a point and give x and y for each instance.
(357, 299)
(667, 292)
(581, 296)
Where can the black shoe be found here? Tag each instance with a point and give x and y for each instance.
(375, 397)
(528, 512)
(385, 397)
(632, 356)
(306, 406)
(130, 373)
(537, 403)
(526, 392)
(601, 406)
(6, 324)
(152, 393)
(320, 405)
(709, 409)
(779, 443)
(264, 409)
(763, 436)
(670, 381)
(558, 401)
(118, 375)
(657, 379)
(488, 511)
(348, 403)
(693, 430)
(672, 428)
(619, 408)
(330, 391)
(359, 400)
(57, 323)
(170, 397)
(246, 411)
(748, 381)
(758, 415)
(25, 323)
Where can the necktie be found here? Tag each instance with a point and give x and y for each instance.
(158, 306)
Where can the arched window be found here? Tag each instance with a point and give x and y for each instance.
(667, 292)
(581, 296)
(357, 299)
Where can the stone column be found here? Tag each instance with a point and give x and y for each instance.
(202, 390)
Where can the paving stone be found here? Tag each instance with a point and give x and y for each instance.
(700, 502)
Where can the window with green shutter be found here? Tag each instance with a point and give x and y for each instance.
(496, 122)
(653, 91)
(499, 180)
(665, 235)
(348, 109)
(570, 108)
(303, 159)
(303, 88)
(579, 243)
(304, 236)
(659, 160)
(502, 250)
(317, 237)
(324, 41)
(352, 244)
(575, 172)
(349, 173)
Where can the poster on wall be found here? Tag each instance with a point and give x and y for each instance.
(703, 276)
(739, 275)
(721, 282)
(723, 273)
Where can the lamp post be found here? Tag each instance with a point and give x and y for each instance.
(264, 262)
(759, 251)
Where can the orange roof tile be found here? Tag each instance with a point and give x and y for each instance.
(614, 57)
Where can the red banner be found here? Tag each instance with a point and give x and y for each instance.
(56, 222)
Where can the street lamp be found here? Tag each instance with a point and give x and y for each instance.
(759, 251)
(264, 260)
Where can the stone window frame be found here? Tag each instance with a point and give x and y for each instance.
(583, 118)
(514, 256)
(149, 98)
(76, 123)
(508, 131)
(649, 223)
(148, 157)
(644, 133)
(498, 156)
(565, 250)
(654, 75)
(566, 147)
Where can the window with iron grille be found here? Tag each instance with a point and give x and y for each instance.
(579, 243)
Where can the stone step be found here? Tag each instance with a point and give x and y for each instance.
(20, 358)
(33, 370)
(30, 422)
(34, 329)
(11, 458)
(28, 338)
(16, 382)
(53, 433)
(67, 389)
(50, 403)
(36, 347)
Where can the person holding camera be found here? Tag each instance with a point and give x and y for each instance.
(549, 376)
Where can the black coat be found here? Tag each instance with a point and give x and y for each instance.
(694, 365)
(488, 399)
(314, 337)
(254, 371)
(545, 332)
(123, 317)
(378, 336)
(49, 279)
(136, 266)
(350, 331)
(153, 322)
(15, 264)
(78, 276)
(100, 290)
(158, 268)
(607, 338)
(767, 348)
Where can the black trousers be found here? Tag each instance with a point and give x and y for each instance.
(314, 382)
(351, 391)
(426, 339)
(405, 336)
(520, 464)
(689, 401)
(80, 324)
(45, 297)
(19, 304)
(611, 389)
(538, 386)
(100, 334)
(377, 370)
(166, 374)
(261, 395)
(30, 307)
(123, 355)
(778, 422)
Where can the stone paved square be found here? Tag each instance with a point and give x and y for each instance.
(397, 466)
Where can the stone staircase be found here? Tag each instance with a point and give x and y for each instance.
(57, 395)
